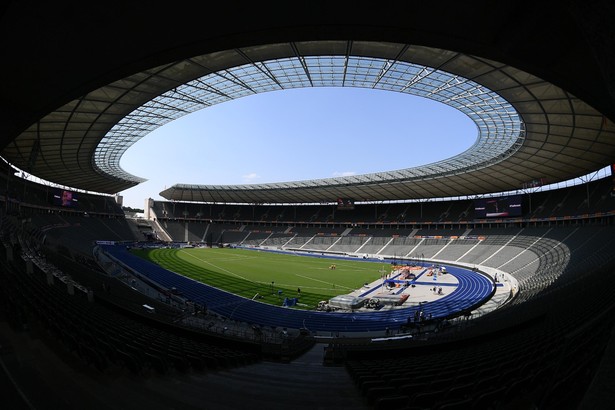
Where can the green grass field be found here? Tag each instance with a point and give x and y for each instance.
(250, 272)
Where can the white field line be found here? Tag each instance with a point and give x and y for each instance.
(252, 257)
(219, 267)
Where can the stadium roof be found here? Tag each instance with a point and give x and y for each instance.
(537, 84)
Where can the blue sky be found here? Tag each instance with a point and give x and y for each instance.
(293, 135)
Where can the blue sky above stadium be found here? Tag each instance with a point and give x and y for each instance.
(297, 134)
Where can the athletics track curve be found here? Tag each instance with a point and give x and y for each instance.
(473, 289)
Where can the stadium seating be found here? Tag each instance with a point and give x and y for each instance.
(526, 352)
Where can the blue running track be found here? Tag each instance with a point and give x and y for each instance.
(473, 289)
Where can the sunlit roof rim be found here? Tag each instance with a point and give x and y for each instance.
(489, 108)
(565, 136)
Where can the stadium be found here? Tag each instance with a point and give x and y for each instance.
(480, 281)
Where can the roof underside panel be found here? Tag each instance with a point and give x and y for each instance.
(527, 128)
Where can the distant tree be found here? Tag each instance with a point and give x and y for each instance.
(129, 209)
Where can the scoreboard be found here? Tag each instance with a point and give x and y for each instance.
(345, 204)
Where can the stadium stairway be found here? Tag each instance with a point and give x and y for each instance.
(48, 378)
